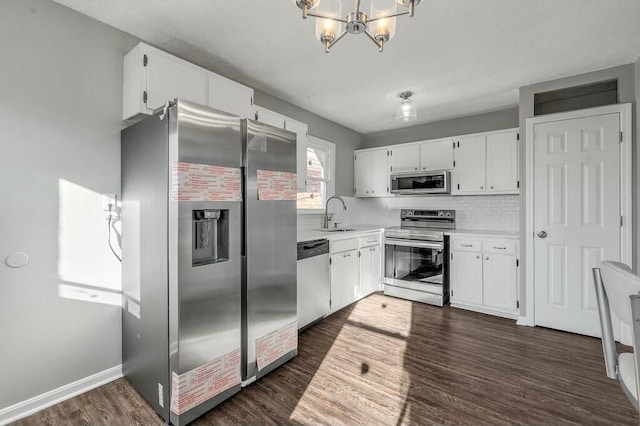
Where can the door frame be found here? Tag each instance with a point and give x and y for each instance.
(626, 207)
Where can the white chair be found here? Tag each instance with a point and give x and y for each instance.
(618, 289)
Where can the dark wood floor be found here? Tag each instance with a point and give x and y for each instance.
(385, 361)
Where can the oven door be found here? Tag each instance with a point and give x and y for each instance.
(416, 265)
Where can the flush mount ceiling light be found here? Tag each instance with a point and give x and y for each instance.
(332, 25)
(406, 111)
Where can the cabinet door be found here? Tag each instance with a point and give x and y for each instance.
(365, 271)
(376, 269)
(168, 78)
(362, 173)
(500, 282)
(466, 277)
(229, 96)
(404, 158)
(436, 155)
(302, 138)
(502, 162)
(469, 173)
(344, 279)
(269, 117)
(379, 173)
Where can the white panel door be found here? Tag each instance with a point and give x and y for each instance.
(404, 158)
(168, 79)
(576, 217)
(469, 174)
(436, 155)
(379, 173)
(466, 277)
(499, 282)
(344, 279)
(502, 162)
(229, 96)
(362, 173)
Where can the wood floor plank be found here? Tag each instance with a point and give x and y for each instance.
(387, 361)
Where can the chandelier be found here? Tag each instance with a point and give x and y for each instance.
(379, 25)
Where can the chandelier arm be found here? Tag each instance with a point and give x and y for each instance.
(344, 33)
(331, 18)
(388, 16)
(373, 39)
(357, 6)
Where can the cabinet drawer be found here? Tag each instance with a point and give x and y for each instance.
(499, 246)
(343, 245)
(466, 245)
(370, 240)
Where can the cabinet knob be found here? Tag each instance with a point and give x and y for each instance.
(491, 187)
(487, 258)
(424, 168)
(482, 187)
(367, 192)
(415, 168)
(478, 257)
(373, 192)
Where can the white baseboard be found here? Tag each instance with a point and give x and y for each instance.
(55, 396)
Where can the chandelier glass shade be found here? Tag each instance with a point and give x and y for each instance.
(374, 18)
(406, 111)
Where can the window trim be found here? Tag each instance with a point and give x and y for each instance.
(331, 167)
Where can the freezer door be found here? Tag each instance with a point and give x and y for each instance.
(204, 256)
(270, 304)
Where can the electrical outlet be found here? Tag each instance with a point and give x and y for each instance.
(109, 199)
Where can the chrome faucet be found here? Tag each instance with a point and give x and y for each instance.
(327, 216)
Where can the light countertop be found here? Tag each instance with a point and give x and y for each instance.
(482, 233)
(357, 231)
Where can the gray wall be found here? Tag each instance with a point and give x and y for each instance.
(626, 94)
(497, 120)
(60, 117)
(346, 140)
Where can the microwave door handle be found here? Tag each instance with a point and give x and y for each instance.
(419, 244)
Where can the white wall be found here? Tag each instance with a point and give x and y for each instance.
(61, 86)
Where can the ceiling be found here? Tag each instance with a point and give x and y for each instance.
(459, 57)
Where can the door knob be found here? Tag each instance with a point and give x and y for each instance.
(542, 234)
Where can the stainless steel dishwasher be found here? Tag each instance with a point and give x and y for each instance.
(314, 287)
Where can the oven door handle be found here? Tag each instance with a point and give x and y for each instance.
(414, 243)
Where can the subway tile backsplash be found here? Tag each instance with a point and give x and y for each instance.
(491, 212)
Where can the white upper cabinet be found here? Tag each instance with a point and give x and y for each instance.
(269, 117)
(404, 158)
(436, 155)
(153, 77)
(302, 140)
(229, 96)
(371, 176)
(502, 162)
(469, 174)
(486, 164)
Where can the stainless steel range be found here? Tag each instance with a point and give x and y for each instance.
(417, 256)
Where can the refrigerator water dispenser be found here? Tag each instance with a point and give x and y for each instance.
(210, 237)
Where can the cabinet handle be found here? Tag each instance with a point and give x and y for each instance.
(478, 257)
(482, 187)
(491, 187)
(373, 192)
(487, 258)
(499, 248)
(415, 168)
(424, 168)
(466, 245)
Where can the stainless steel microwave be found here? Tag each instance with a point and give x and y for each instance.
(421, 183)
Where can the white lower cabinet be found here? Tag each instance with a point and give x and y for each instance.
(484, 276)
(356, 268)
(370, 270)
(345, 288)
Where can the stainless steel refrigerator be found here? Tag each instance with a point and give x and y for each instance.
(193, 298)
